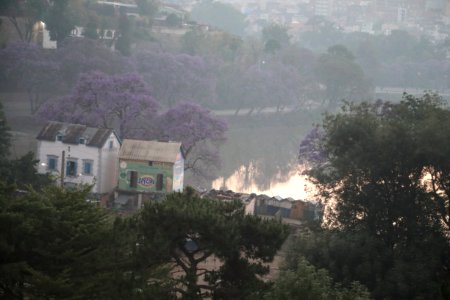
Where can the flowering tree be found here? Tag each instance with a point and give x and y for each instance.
(103, 100)
(200, 133)
(77, 56)
(177, 77)
(30, 68)
(311, 150)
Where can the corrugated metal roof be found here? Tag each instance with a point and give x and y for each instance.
(71, 133)
(150, 150)
(49, 131)
(100, 137)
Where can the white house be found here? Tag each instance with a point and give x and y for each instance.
(79, 154)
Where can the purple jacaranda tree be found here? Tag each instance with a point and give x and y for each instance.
(117, 101)
(77, 56)
(28, 68)
(200, 132)
(177, 77)
(311, 151)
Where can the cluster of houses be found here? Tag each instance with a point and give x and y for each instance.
(290, 211)
(125, 174)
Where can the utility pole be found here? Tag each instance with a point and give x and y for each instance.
(63, 164)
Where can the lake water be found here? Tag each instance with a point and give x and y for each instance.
(296, 186)
(260, 155)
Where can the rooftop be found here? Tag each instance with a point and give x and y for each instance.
(150, 150)
(72, 133)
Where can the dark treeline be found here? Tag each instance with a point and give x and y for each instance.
(383, 169)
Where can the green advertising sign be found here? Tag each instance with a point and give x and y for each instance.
(141, 176)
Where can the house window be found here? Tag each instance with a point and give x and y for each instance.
(82, 140)
(71, 167)
(150, 163)
(111, 144)
(52, 162)
(159, 182)
(87, 167)
(133, 177)
(59, 137)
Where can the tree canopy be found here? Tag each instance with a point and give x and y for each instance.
(23, 65)
(49, 242)
(200, 132)
(212, 247)
(342, 76)
(177, 77)
(381, 167)
(221, 15)
(103, 100)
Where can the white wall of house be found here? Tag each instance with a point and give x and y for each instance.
(47, 43)
(103, 162)
(178, 174)
(250, 207)
(109, 162)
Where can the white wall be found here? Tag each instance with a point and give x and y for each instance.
(178, 174)
(47, 43)
(104, 166)
(109, 161)
(250, 207)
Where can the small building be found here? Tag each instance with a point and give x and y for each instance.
(78, 154)
(148, 170)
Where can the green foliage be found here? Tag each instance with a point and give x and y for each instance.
(384, 176)
(221, 15)
(396, 60)
(382, 153)
(90, 30)
(23, 174)
(186, 232)
(123, 43)
(54, 244)
(342, 76)
(218, 45)
(275, 37)
(413, 272)
(147, 7)
(304, 281)
(60, 20)
(22, 171)
(49, 243)
(5, 135)
(172, 20)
